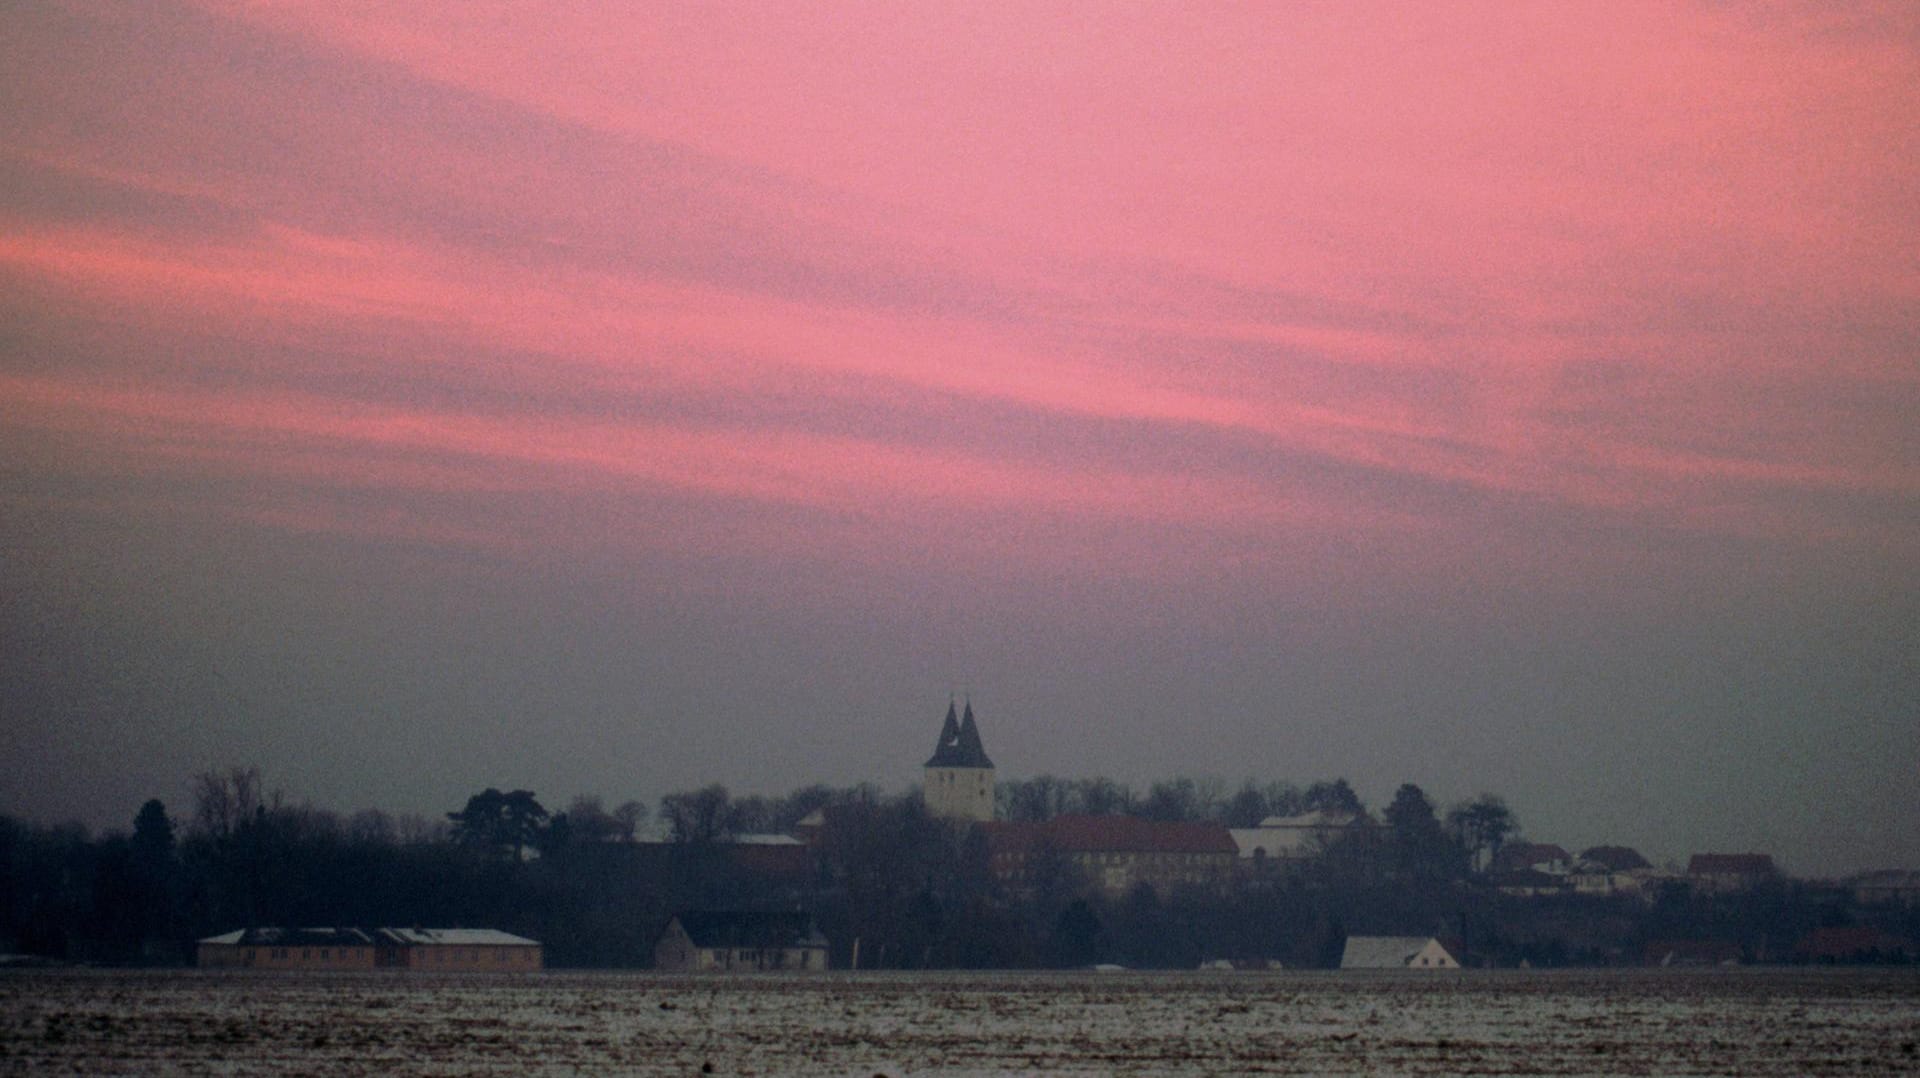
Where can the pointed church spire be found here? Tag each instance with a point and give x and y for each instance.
(949, 743)
(960, 742)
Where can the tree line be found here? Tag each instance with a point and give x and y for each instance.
(917, 892)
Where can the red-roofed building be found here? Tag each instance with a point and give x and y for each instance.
(1114, 854)
(1729, 873)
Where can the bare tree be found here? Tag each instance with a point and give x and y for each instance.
(698, 815)
(629, 814)
(225, 801)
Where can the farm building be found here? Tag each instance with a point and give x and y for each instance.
(450, 949)
(1396, 952)
(701, 940)
(289, 948)
(453, 949)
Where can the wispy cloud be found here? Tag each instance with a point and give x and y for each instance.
(1231, 275)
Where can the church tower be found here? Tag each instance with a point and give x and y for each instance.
(959, 777)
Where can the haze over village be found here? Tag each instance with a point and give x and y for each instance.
(400, 404)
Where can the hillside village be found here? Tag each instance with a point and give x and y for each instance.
(968, 871)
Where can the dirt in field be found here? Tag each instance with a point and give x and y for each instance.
(393, 1023)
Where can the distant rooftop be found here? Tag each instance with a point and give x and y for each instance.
(367, 937)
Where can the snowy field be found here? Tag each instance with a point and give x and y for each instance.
(1734, 1022)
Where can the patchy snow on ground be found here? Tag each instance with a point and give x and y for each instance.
(397, 1023)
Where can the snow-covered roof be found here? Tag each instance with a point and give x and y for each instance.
(268, 936)
(358, 937)
(766, 840)
(1276, 841)
(1315, 819)
(456, 937)
(1382, 952)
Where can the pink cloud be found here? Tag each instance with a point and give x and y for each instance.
(1270, 269)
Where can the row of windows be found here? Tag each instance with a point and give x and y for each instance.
(775, 958)
(471, 955)
(442, 955)
(307, 953)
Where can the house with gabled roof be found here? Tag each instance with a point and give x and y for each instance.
(1283, 840)
(1397, 952)
(744, 941)
(1612, 870)
(958, 779)
(1544, 857)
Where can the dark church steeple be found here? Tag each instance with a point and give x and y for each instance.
(959, 778)
(959, 744)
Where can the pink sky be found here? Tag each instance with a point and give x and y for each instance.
(1235, 300)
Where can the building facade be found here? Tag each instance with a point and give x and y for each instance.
(747, 942)
(1111, 854)
(448, 949)
(288, 948)
(958, 782)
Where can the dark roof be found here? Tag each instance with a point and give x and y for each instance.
(959, 744)
(295, 937)
(1110, 834)
(1615, 858)
(1517, 856)
(262, 936)
(1730, 864)
(749, 928)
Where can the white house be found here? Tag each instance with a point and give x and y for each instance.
(704, 940)
(1294, 838)
(1396, 952)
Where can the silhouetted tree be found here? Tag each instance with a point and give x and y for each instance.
(698, 816)
(1418, 848)
(1076, 935)
(1482, 826)
(503, 823)
(1172, 801)
(1101, 797)
(154, 875)
(1039, 798)
(590, 822)
(557, 837)
(629, 814)
(225, 801)
(1247, 807)
(753, 815)
(1335, 796)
